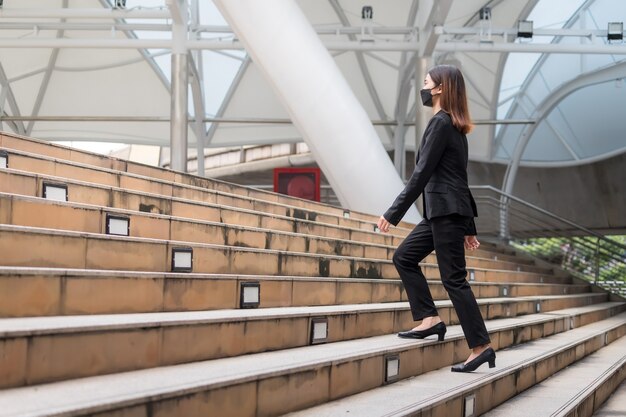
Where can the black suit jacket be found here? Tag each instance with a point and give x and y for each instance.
(440, 171)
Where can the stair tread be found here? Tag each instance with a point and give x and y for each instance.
(440, 385)
(96, 393)
(565, 387)
(28, 326)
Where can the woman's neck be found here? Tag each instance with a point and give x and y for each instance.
(436, 107)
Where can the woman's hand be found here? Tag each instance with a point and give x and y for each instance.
(383, 224)
(471, 243)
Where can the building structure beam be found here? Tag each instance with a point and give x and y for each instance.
(397, 46)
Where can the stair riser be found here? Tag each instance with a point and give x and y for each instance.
(66, 170)
(25, 248)
(277, 394)
(40, 295)
(64, 217)
(54, 357)
(75, 155)
(496, 392)
(28, 185)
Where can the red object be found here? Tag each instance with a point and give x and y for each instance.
(298, 182)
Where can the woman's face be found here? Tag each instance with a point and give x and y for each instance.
(430, 84)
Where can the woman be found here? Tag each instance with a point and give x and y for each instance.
(448, 225)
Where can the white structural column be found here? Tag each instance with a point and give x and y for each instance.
(180, 79)
(197, 83)
(321, 104)
(178, 123)
(422, 65)
(423, 113)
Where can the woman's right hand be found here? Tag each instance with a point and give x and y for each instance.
(383, 224)
(471, 243)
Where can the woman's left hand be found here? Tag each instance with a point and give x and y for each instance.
(471, 243)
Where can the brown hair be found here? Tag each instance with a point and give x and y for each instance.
(453, 96)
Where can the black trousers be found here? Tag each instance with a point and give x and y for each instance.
(446, 236)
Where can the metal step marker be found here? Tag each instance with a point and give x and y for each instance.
(470, 405)
(182, 259)
(392, 368)
(250, 295)
(4, 159)
(319, 330)
(117, 225)
(55, 192)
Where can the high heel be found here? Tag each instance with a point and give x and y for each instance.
(439, 329)
(488, 355)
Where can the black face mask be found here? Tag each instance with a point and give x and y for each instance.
(427, 97)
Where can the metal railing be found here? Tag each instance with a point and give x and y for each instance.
(582, 252)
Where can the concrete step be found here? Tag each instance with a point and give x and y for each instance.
(68, 347)
(26, 291)
(36, 212)
(519, 367)
(38, 247)
(274, 383)
(615, 405)
(16, 143)
(198, 190)
(27, 184)
(578, 390)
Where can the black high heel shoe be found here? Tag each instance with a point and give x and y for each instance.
(439, 329)
(488, 355)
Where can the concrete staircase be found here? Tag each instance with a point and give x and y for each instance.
(212, 299)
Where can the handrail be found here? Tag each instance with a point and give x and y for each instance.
(583, 252)
(538, 222)
(550, 214)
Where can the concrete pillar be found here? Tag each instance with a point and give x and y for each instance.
(399, 157)
(178, 122)
(422, 65)
(197, 88)
(423, 114)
